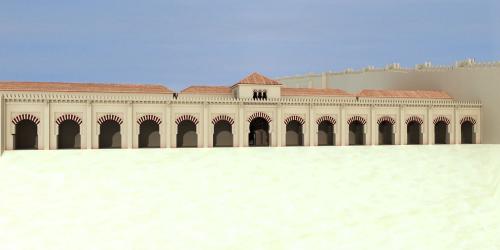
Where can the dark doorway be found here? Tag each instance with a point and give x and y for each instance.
(294, 135)
(441, 133)
(413, 133)
(326, 137)
(259, 132)
(68, 135)
(467, 130)
(186, 135)
(26, 136)
(223, 136)
(110, 136)
(149, 134)
(385, 133)
(356, 133)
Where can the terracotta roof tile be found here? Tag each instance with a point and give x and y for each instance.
(83, 87)
(207, 90)
(313, 92)
(256, 78)
(418, 94)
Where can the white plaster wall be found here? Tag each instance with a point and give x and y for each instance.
(380, 112)
(271, 111)
(246, 90)
(335, 113)
(228, 110)
(196, 110)
(15, 109)
(364, 112)
(205, 112)
(118, 109)
(295, 110)
(148, 109)
(58, 109)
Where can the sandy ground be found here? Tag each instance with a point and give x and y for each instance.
(311, 198)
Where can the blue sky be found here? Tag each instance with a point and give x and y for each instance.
(182, 42)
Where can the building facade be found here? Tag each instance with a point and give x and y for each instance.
(256, 111)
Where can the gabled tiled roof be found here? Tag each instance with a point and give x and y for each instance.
(416, 94)
(313, 92)
(84, 87)
(207, 90)
(256, 78)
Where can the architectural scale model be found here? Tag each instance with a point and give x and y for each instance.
(255, 111)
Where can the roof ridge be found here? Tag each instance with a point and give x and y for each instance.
(257, 78)
(107, 83)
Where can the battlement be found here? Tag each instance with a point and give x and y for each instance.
(469, 63)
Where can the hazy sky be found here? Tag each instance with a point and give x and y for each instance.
(182, 42)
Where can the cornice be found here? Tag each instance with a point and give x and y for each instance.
(168, 99)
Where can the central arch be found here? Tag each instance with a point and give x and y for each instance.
(294, 135)
(326, 135)
(414, 130)
(467, 130)
(259, 132)
(223, 135)
(441, 135)
(186, 132)
(26, 131)
(149, 134)
(68, 136)
(386, 130)
(26, 136)
(356, 130)
(149, 131)
(110, 136)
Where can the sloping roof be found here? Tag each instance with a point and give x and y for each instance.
(418, 94)
(257, 78)
(84, 87)
(313, 92)
(207, 90)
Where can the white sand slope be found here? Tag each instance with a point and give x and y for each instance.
(311, 198)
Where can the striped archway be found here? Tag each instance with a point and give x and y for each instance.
(222, 131)
(187, 135)
(65, 117)
(356, 118)
(153, 118)
(149, 131)
(25, 131)
(224, 118)
(110, 131)
(261, 115)
(386, 130)
(107, 117)
(294, 135)
(295, 118)
(386, 119)
(326, 118)
(468, 119)
(442, 119)
(356, 130)
(467, 130)
(68, 131)
(30, 117)
(186, 117)
(414, 119)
